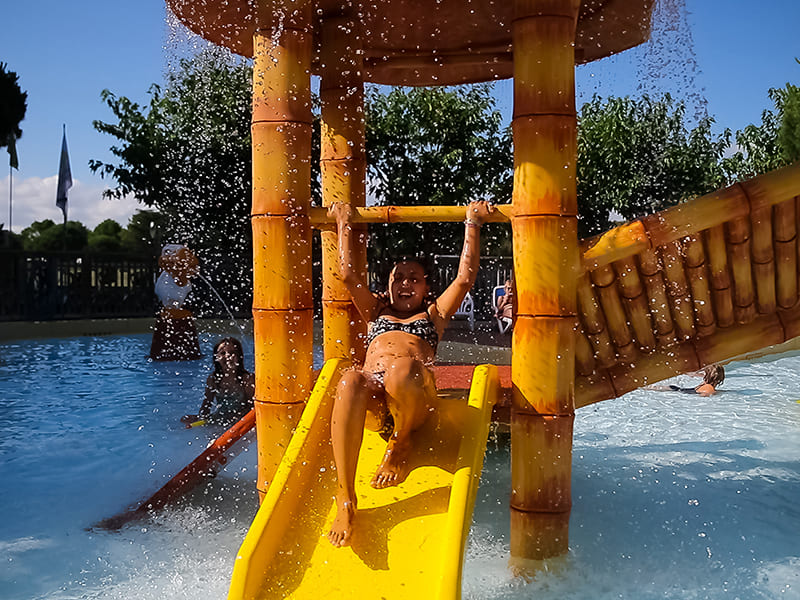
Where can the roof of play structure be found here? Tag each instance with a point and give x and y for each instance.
(423, 42)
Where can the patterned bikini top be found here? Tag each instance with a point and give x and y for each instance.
(424, 329)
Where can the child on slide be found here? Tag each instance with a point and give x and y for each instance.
(394, 390)
(229, 389)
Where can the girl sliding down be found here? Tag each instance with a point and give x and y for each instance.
(394, 390)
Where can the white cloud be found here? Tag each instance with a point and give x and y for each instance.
(34, 199)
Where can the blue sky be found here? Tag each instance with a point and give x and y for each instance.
(724, 55)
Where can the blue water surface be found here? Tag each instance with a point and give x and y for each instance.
(674, 496)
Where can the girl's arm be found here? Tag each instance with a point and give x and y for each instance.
(208, 398)
(447, 304)
(364, 300)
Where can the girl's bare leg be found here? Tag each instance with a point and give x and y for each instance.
(410, 393)
(354, 395)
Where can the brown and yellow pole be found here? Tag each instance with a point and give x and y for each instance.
(546, 255)
(343, 167)
(282, 303)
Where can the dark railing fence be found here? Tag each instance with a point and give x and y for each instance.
(42, 286)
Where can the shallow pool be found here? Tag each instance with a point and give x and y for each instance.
(673, 496)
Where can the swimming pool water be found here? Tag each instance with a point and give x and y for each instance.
(674, 496)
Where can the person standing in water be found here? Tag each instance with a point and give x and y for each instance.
(394, 390)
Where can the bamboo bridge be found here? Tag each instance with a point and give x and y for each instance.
(699, 283)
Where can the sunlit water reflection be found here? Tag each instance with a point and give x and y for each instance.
(674, 496)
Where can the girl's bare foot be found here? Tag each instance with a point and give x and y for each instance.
(393, 470)
(342, 526)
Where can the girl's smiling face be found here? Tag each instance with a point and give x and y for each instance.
(227, 356)
(408, 286)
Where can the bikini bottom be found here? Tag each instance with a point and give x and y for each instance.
(387, 427)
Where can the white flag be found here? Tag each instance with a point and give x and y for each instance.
(64, 177)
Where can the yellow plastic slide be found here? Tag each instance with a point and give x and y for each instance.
(408, 541)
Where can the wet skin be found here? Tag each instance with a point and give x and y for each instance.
(408, 390)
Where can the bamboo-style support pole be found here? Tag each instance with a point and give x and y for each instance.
(546, 266)
(282, 301)
(343, 167)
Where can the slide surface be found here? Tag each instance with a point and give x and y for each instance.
(408, 541)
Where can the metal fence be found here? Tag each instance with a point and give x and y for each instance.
(42, 286)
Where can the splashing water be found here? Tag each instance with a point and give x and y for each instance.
(230, 314)
(666, 63)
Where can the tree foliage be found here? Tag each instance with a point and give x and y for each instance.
(188, 155)
(430, 146)
(46, 236)
(13, 105)
(144, 233)
(775, 142)
(636, 156)
(105, 237)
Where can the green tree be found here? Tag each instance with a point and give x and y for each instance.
(188, 156)
(429, 146)
(105, 237)
(789, 132)
(46, 236)
(10, 240)
(13, 106)
(144, 233)
(636, 157)
(775, 142)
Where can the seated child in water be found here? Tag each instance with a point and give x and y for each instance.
(230, 387)
(713, 376)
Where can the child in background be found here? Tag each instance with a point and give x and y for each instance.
(505, 312)
(713, 375)
(230, 388)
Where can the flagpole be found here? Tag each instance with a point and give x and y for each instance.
(10, 188)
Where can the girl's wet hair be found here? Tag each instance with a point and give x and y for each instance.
(420, 260)
(713, 374)
(237, 348)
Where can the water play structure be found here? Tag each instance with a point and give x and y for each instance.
(699, 283)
